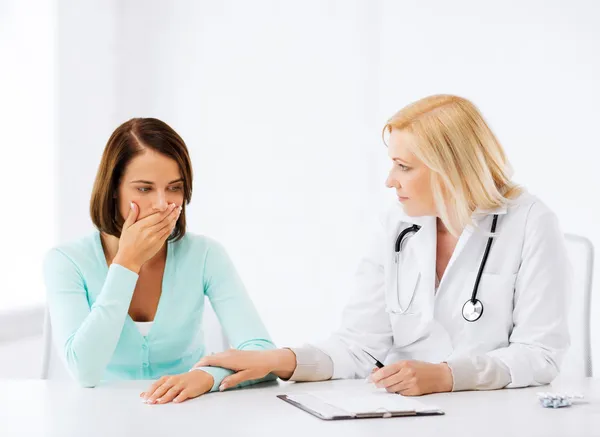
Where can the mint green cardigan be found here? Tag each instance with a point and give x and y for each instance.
(92, 330)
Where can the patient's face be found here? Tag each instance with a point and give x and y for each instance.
(152, 181)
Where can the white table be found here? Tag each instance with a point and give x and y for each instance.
(47, 408)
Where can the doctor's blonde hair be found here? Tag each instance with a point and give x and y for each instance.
(468, 165)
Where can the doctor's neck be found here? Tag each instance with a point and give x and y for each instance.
(441, 227)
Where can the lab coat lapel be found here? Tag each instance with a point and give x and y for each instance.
(460, 245)
(479, 217)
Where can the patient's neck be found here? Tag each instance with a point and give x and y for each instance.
(110, 246)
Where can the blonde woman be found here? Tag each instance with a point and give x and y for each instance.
(466, 282)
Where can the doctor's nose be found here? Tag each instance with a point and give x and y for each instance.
(390, 182)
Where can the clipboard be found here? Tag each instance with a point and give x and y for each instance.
(327, 411)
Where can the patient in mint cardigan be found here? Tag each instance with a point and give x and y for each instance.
(127, 301)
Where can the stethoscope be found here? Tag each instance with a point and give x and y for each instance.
(473, 308)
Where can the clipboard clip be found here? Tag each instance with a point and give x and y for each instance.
(385, 413)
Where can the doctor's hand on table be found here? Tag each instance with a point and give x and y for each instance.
(413, 378)
(250, 365)
(178, 388)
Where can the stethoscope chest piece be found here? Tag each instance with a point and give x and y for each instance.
(472, 310)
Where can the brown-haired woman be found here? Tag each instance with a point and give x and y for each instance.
(127, 301)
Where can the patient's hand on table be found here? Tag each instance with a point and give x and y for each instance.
(178, 388)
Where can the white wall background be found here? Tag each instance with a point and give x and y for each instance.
(27, 177)
(27, 98)
(282, 104)
(270, 113)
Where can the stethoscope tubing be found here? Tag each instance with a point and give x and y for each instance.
(473, 300)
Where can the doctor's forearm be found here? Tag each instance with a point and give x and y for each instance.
(304, 364)
(478, 372)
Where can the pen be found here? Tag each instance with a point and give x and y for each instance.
(377, 362)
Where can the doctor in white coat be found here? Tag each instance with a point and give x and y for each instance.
(415, 308)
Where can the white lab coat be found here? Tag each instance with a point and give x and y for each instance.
(524, 290)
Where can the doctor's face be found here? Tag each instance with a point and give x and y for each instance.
(409, 176)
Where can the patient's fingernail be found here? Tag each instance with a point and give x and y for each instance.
(222, 387)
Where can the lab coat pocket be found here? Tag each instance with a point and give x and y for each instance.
(496, 293)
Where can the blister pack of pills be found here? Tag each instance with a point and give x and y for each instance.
(557, 400)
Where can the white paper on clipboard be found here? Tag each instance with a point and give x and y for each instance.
(331, 403)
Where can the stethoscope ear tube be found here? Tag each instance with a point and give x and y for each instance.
(413, 228)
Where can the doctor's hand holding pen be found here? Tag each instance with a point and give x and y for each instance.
(413, 378)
